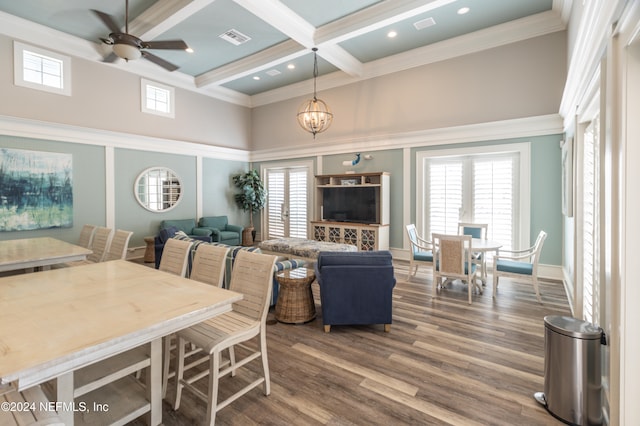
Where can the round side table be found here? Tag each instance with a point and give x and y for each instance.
(295, 303)
(150, 251)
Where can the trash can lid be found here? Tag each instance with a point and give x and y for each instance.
(572, 327)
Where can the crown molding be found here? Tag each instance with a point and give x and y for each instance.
(25, 128)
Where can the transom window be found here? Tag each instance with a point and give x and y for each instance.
(40, 69)
(157, 98)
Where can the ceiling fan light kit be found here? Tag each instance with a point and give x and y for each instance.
(314, 115)
(130, 47)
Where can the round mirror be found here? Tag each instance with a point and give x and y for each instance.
(158, 189)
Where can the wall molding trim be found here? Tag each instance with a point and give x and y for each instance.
(496, 130)
(26, 128)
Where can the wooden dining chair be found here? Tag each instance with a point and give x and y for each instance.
(252, 276)
(208, 266)
(420, 252)
(86, 235)
(119, 245)
(100, 244)
(519, 264)
(453, 260)
(31, 408)
(479, 231)
(175, 256)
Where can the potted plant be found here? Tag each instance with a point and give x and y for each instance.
(252, 198)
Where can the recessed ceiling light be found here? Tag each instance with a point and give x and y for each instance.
(256, 77)
(392, 34)
(291, 66)
(188, 49)
(463, 10)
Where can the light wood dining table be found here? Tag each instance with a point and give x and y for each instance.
(27, 253)
(56, 322)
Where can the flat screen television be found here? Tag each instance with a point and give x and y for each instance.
(356, 204)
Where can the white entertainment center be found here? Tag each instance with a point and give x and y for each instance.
(353, 209)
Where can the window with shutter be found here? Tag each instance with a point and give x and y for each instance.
(287, 201)
(469, 185)
(590, 221)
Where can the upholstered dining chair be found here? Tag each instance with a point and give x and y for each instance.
(175, 256)
(453, 260)
(119, 245)
(420, 253)
(252, 277)
(86, 235)
(519, 264)
(479, 231)
(208, 266)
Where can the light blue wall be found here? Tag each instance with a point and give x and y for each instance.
(129, 214)
(89, 205)
(218, 190)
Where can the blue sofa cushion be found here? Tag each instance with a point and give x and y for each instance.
(523, 268)
(166, 233)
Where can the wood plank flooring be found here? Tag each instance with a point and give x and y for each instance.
(444, 362)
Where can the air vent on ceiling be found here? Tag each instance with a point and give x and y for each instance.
(273, 72)
(424, 23)
(234, 37)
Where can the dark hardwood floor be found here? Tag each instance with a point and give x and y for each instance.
(444, 362)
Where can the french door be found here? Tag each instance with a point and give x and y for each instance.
(287, 201)
(469, 186)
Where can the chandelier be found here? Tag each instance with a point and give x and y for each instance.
(314, 115)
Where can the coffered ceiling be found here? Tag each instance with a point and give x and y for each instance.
(274, 61)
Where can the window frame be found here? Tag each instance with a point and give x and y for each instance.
(522, 236)
(144, 85)
(18, 69)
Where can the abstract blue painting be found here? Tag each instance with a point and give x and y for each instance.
(36, 190)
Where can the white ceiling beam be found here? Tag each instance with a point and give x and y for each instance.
(373, 18)
(279, 16)
(164, 15)
(261, 61)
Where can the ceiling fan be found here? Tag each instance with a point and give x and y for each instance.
(130, 47)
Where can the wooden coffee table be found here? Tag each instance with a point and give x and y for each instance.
(295, 303)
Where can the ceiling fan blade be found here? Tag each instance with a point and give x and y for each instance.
(159, 61)
(111, 57)
(166, 44)
(107, 20)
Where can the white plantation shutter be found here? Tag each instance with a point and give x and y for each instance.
(494, 196)
(590, 220)
(445, 196)
(275, 203)
(477, 188)
(287, 202)
(298, 203)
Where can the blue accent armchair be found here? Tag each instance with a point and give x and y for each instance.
(355, 288)
(221, 231)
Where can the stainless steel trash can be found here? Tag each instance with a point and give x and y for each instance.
(572, 382)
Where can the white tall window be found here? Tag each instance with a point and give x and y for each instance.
(40, 69)
(287, 201)
(157, 98)
(590, 222)
(478, 186)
